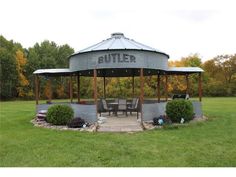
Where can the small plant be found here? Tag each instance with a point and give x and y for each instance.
(76, 123)
(161, 120)
(59, 114)
(179, 109)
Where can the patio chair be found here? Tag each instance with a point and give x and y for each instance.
(122, 106)
(105, 108)
(116, 100)
(180, 96)
(134, 107)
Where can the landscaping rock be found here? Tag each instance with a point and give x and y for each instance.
(44, 124)
(148, 125)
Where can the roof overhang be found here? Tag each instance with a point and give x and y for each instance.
(184, 70)
(120, 72)
(53, 72)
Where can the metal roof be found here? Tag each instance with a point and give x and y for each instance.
(53, 71)
(120, 72)
(184, 70)
(118, 41)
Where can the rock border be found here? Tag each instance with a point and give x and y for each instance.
(150, 126)
(44, 124)
(94, 127)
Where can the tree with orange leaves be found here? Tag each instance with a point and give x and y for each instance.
(22, 80)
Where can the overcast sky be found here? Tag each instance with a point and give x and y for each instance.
(176, 27)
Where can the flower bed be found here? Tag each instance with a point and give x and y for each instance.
(44, 124)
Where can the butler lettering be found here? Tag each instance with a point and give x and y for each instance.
(116, 58)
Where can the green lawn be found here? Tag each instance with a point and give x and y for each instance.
(210, 143)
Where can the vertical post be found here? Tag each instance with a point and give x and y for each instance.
(37, 89)
(142, 92)
(187, 84)
(71, 89)
(78, 87)
(104, 86)
(95, 88)
(166, 87)
(200, 86)
(133, 86)
(50, 90)
(158, 88)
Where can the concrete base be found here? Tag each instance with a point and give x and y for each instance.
(151, 110)
(86, 112)
(121, 123)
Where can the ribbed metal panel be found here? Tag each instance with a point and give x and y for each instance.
(52, 71)
(118, 41)
(185, 69)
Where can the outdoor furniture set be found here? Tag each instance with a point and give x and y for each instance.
(119, 105)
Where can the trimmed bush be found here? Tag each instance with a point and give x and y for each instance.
(76, 123)
(179, 108)
(59, 114)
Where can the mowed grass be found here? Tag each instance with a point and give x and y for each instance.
(209, 143)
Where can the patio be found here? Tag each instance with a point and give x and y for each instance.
(120, 124)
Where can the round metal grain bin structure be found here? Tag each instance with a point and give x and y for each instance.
(118, 56)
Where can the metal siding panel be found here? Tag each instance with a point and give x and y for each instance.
(157, 109)
(86, 112)
(197, 108)
(143, 59)
(153, 110)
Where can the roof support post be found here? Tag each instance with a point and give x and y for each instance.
(200, 86)
(78, 87)
(37, 89)
(166, 87)
(158, 88)
(50, 90)
(187, 84)
(104, 86)
(71, 89)
(95, 89)
(141, 93)
(133, 86)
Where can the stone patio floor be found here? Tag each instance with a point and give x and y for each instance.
(120, 123)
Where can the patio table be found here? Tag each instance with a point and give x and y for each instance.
(114, 105)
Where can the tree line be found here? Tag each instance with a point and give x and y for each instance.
(17, 65)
